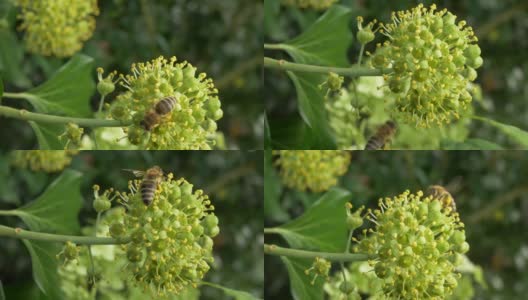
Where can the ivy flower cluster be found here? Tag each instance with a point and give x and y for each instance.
(42, 160)
(418, 243)
(433, 59)
(171, 244)
(190, 122)
(311, 4)
(57, 27)
(315, 170)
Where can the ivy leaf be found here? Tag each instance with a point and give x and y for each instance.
(68, 91)
(236, 294)
(272, 190)
(11, 56)
(322, 227)
(48, 135)
(57, 209)
(290, 133)
(311, 107)
(518, 135)
(300, 283)
(470, 144)
(326, 41)
(44, 265)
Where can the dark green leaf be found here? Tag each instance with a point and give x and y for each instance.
(300, 283)
(11, 55)
(470, 144)
(311, 107)
(2, 295)
(272, 191)
(326, 41)
(236, 294)
(57, 209)
(267, 134)
(322, 227)
(290, 133)
(22, 290)
(518, 135)
(44, 264)
(48, 135)
(68, 91)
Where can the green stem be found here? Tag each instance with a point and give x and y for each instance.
(354, 71)
(344, 257)
(276, 46)
(7, 213)
(101, 102)
(272, 230)
(92, 265)
(23, 114)
(19, 233)
(361, 54)
(17, 95)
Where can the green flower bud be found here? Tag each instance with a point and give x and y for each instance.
(365, 36)
(354, 220)
(57, 27)
(72, 135)
(117, 230)
(101, 204)
(314, 170)
(69, 252)
(320, 268)
(347, 287)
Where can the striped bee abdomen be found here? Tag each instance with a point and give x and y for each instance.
(382, 136)
(166, 105)
(148, 189)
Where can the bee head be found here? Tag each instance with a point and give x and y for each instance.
(155, 171)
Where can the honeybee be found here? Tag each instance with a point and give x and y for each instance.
(439, 193)
(383, 136)
(161, 108)
(151, 179)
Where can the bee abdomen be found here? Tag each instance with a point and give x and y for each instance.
(147, 189)
(374, 144)
(166, 105)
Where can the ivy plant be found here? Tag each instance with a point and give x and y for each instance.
(417, 70)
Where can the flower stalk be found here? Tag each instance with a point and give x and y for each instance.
(342, 257)
(352, 72)
(23, 114)
(20, 233)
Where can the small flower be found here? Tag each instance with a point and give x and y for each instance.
(433, 59)
(57, 27)
(102, 202)
(105, 85)
(171, 242)
(418, 243)
(70, 252)
(365, 35)
(311, 4)
(42, 160)
(316, 170)
(354, 219)
(72, 135)
(319, 268)
(191, 120)
(333, 82)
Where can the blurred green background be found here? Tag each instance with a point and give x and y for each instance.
(500, 25)
(233, 180)
(220, 38)
(491, 193)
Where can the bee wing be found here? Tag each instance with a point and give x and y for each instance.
(136, 173)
